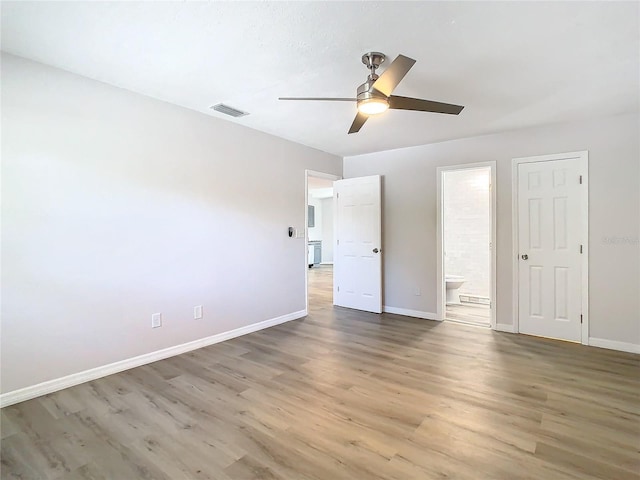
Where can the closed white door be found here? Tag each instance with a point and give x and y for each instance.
(358, 255)
(550, 245)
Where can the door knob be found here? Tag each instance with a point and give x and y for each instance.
(525, 257)
(375, 250)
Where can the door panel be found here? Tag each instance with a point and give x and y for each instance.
(357, 261)
(549, 232)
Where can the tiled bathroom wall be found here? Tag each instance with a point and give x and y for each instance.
(467, 228)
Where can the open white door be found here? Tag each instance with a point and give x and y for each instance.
(358, 253)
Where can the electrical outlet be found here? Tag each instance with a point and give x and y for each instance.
(197, 312)
(417, 292)
(156, 320)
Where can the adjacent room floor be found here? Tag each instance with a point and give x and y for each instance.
(475, 314)
(320, 288)
(343, 394)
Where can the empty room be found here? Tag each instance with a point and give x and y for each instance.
(320, 240)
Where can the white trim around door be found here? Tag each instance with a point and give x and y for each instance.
(583, 157)
(441, 291)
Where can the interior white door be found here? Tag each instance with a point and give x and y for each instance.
(549, 237)
(357, 261)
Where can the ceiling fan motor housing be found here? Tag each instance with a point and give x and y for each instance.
(366, 91)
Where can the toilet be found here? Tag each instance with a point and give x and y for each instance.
(453, 284)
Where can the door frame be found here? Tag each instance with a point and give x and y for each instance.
(441, 290)
(328, 176)
(583, 156)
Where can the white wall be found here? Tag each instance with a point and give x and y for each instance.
(467, 228)
(327, 230)
(116, 206)
(614, 168)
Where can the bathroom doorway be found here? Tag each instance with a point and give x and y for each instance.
(466, 244)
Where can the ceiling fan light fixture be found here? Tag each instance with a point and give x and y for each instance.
(375, 95)
(373, 106)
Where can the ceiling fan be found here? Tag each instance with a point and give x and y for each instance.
(374, 95)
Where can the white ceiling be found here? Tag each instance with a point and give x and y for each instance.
(512, 64)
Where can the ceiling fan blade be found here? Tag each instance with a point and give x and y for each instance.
(358, 122)
(392, 76)
(407, 103)
(320, 99)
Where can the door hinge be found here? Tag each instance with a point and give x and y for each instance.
(580, 318)
(580, 179)
(338, 242)
(580, 248)
(338, 288)
(338, 195)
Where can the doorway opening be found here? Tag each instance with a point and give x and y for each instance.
(466, 244)
(319, 228)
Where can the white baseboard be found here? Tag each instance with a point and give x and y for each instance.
(614, 345)
(56, 384)
(409, 313)
(326, 263)
(505, 327)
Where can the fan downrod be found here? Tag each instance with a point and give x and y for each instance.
(373, 60)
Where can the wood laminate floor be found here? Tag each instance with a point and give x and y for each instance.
(342, 394)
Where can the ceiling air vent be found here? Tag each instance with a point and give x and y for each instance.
(227, 110)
